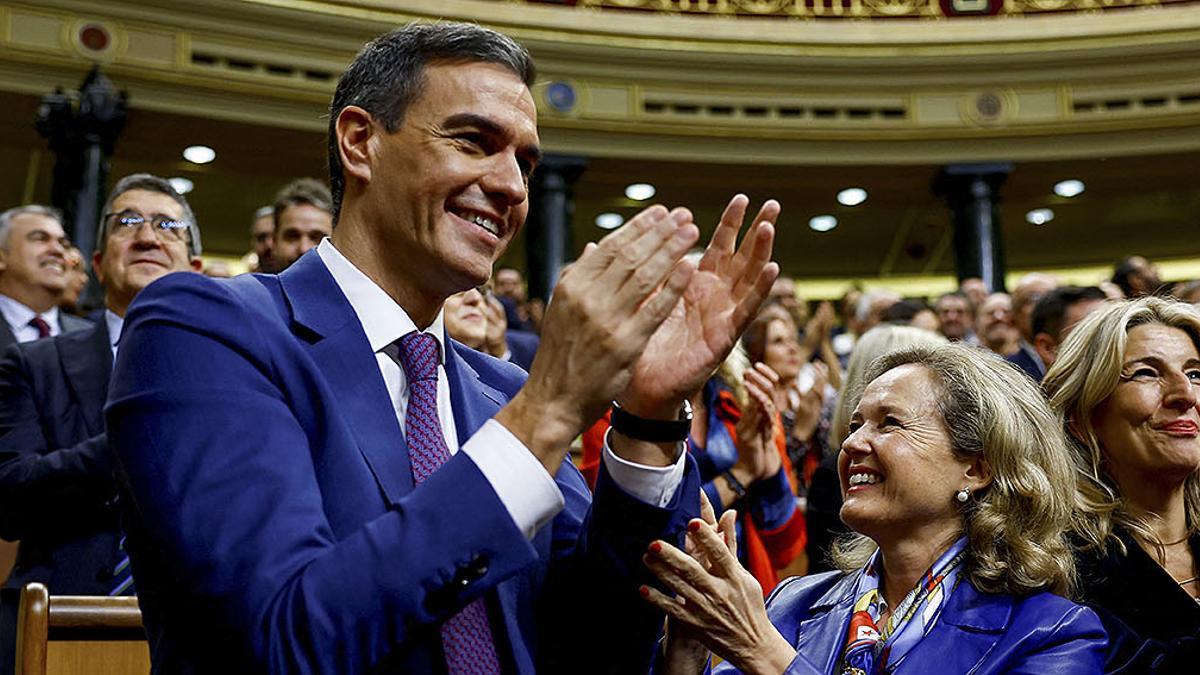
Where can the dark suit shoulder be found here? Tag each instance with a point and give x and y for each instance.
(69, 323)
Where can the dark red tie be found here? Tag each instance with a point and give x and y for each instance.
(42, 327)
(466, 636)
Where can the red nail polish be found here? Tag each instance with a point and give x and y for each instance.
(655, 547)
(644, 591)
(694, 526)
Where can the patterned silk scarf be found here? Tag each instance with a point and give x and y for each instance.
(872, 650)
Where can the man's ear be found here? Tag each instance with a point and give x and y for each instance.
(978, 474)
(1046, 348)
(355, 129)
(97, 256)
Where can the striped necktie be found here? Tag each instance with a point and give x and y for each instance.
(122, 573)
(466, 636)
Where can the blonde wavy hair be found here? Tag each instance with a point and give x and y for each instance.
(1016, 526)
(1083, 376)
(873, 344)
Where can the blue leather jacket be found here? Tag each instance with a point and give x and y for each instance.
(977, 633)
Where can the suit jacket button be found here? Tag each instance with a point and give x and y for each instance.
(479, 567)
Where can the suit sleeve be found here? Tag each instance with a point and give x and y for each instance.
(223, 481)
(39, 485)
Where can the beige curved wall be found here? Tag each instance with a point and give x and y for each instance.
(679, 87)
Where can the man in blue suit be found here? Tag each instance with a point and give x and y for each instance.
(319, 480)
(57, 491)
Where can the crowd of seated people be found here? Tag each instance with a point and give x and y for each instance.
(979, 481)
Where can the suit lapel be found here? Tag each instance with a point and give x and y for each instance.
(970, 625)
(6, 335)
(86, 360)
(323, 317)
(822, 636)
(473, 400)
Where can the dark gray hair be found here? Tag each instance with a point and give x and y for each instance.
(388, 75)
(7, 217)
(302, 192)
(149, 183)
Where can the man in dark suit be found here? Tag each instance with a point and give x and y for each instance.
(57, 492)
(320, 480)
(33, 275)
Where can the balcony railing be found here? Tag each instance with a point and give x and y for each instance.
(859, 9)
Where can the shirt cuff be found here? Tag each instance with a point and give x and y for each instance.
(519, 479)
(654, 485)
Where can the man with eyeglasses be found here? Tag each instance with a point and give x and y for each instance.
(33, 275)
(57, 493)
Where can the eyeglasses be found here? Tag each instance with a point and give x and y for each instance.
(126, 223)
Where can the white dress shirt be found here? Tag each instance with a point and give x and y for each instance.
(519, 479)
(114, 329)
(18, 317)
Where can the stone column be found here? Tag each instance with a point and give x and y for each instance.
(972, 193)
(548, 228)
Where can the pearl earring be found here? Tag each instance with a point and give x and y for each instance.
(963, 495)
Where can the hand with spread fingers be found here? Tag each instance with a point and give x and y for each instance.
(606, 307)
(758, 457)
(718, 605)
(721, 299)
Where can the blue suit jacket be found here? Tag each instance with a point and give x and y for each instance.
(274, 524)
(977, 632)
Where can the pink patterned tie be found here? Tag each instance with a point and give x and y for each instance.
(466, 636)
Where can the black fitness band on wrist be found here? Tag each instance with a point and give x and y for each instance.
(652, 431)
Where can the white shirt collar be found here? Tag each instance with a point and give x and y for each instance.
(382, 319)
(114, 328)
(18, 315)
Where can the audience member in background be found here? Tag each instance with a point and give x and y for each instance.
(519, 312)
(1030, 288)
(738, 443)
(77, 279)
(959, 563)
(845, 334)
(825, 491)
(872, 305)
(798, 390)
(1137, 277)
(476, 319)
(994, 325)
(262, 239)
(517, 346)
(57, 491)
(465, 320)
(954, 315)
(783, 293)
(817, 340)
(303, 214)
(1127, 381)
(913, 313)
(1054, 317)
(33, 275)
(1188, 292)
(975, 290)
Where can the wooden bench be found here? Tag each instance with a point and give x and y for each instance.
(74, 635)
